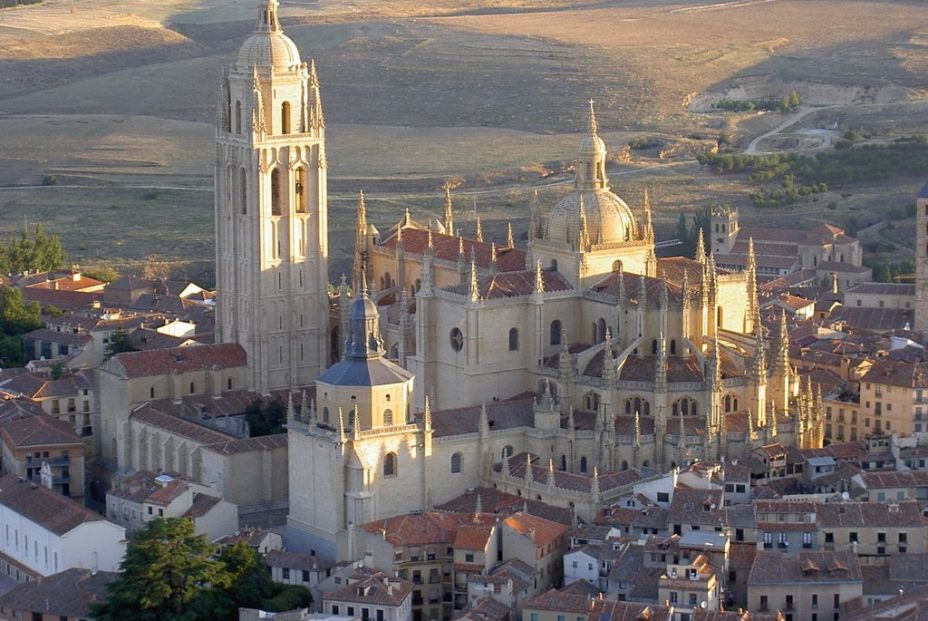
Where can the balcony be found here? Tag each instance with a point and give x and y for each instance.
(37, 462)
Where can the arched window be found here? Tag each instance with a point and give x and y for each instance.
(583, 464)
(719, 317)
(553, 265)
(645, 464)
(595, 336)
(591, 401)
(243, 190)
(193, 388)
(628, 407)
(728, 403)
(238, 117)
(685, 407)
(563, 462)
(602, 329)
(556, 332)
(624, 465)
(654, 346)
(389, 465)
(275, 192)
(673, 347)
(734, 404)
(387, 417)
(456, 463)
(285, 118)
(507, 451)
(325, 415)
(299, 190)
(513, 339)
(616, 266)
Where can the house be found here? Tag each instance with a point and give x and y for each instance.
(44, 450)
(374, 597)
(871, 529)
(43, 533)
(64, 596)
(69, 398)
(537, 542)
(136, 499)
(804, 585)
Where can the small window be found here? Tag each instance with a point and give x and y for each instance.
(285, 118)
(456, 463)
(389, 465)
(387, 417)
(514, 339)
(556, 332)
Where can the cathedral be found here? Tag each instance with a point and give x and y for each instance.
(563, 372)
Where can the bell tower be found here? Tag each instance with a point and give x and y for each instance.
(271, 210)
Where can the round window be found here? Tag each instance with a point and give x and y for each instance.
(457, 339)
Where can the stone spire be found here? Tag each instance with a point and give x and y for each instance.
(759, 361)
(594, 485)
(539, 278)
(304, 408)
(772, 424)
(257, 113)
(474, 286)
(781, 359)
(700, 248)
(360, 243)
(493, 267)
(449, 211)
(752, 433)
(291, 413)
(510, 240)
(637, 429)
(594, 126)
(478, 507)
(648, 224)
(529, 478)
(478, 234)
(533, 216)
(505, 466)
(753, 308)
(316, 116)
(427, 416)
(551, 481)
(342, 436)
(484, 422)
(267, 17)
(642, 292)
(609, 369)
(571, 423)
(584, 229)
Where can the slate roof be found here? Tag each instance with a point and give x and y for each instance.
(364, 372)
(202, 504)
(516, 412)
(868, 514)
(804, 567)
(882, 288)
(296, 560)
(147, 413)
(896, 373)
(58, 514)
(53, 336)
(67, 594)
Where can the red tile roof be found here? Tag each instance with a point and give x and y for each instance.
(178, 360)
(445, 248)
(541, 531)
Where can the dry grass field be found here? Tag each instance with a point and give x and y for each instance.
(112, 103)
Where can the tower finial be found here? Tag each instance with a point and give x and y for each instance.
(474, 287)
(427, 416)
(594, 128)
(267, 16)
(700, 247)
(510, 240)
(479, 232)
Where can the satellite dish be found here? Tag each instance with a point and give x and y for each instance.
(703, 604)
(845, 496)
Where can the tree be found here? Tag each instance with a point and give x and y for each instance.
(39, 252)
(119, 343)
(17, 316)
(265, 419)
(166, 569)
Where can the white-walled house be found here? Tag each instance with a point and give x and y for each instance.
(582, 564)
(43, 533)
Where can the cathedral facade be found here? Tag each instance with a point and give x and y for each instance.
(565, 372)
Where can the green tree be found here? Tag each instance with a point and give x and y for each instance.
(17, 316)
(265, 418)
(38, 252)
(119, 343)
(167, 569)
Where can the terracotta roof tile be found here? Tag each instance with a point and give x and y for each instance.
(178, 360)
(445, 248)
(45, 507)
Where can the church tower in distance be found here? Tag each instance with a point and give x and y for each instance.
(271, 210)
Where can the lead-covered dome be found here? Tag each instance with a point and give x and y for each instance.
(268, 46)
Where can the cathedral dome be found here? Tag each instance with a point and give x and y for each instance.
(268, 46)
(608, 218)
(269, 49)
